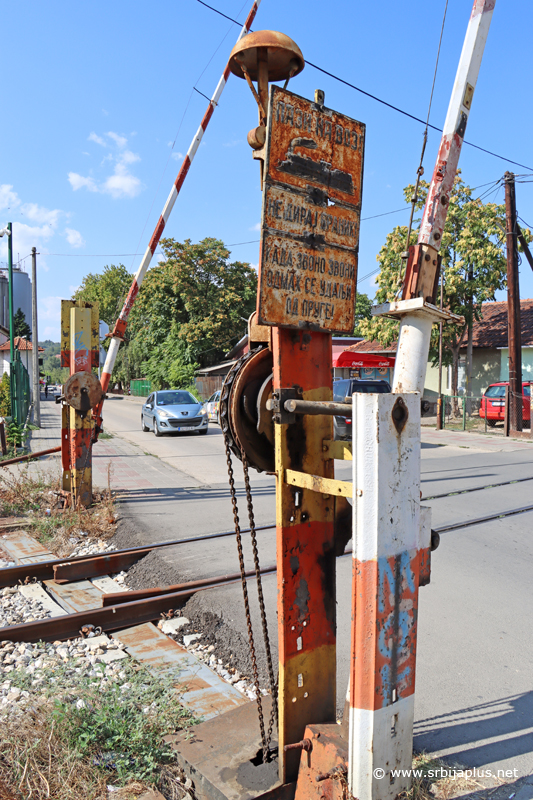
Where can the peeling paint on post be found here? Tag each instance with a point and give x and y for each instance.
(80, 353)
(391, 537)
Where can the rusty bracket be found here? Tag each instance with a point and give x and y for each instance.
(280, 413)
(315, 483)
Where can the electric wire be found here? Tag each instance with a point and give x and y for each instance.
(378, 99)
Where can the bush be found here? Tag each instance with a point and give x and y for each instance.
(5, 397)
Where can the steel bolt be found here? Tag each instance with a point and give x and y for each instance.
(305, 744)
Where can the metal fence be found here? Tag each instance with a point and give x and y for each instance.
(19, 386)
(497, 415)
(140, 388)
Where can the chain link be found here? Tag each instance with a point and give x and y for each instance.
(246, 600)
(264, 623)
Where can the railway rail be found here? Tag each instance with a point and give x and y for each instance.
(132, 608)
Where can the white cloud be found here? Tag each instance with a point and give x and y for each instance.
(178, 156)
(120, 141)
(78, 181)
(256, 227)
(233, 143)
(93, 137)
(255, 267)
(41, 215)
(73, 289)
(74, 238)
(8, 198)
(122, 183)
(128, 157)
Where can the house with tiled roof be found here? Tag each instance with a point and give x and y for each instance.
(24, 347)
(490, 351)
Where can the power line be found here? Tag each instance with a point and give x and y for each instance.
(379, 100)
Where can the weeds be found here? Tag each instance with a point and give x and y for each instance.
(99, 730)
(39, 500)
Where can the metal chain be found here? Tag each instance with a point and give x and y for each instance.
(253, 534)
(246, 600)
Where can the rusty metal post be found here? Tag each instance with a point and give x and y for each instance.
(513, 302)
(305, 547)
(79, 352)
(392, 538)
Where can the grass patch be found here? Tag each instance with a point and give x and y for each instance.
(435, 779)
(93, 731)
(38, 499)
(104, 435)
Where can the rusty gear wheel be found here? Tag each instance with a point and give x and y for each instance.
(244, 418)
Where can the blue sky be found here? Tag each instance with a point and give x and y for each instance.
(100, 106)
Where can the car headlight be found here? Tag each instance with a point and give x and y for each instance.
(163, 413)
(202, 412)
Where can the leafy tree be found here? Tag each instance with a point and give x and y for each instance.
(191, 309)
(5, 397)
(363, 308)
(473, 262)
(20, 326)
(109, 289)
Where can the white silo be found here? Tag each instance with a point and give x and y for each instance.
(22, 293)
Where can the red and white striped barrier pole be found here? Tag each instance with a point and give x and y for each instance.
(122, 321)
(415, 328)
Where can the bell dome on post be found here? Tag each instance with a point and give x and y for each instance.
(265, 56)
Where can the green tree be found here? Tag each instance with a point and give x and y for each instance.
(20, 326)
(363, 310)
(109, 289)
(190, 310)
(473, 262)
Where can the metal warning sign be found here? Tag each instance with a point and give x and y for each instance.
(310, 217)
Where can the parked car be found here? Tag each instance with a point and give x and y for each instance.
(342, 393)
(173, 410)
(212, 405)
(492, 404)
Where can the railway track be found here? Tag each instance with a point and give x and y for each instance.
(119, 609)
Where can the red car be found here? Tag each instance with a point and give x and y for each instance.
(492, 403)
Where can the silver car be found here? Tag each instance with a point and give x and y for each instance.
(173, 410)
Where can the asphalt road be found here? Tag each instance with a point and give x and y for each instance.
(474, 698)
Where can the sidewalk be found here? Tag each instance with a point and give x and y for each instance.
(130, 469)
(478, 441)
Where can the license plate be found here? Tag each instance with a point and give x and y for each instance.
(497, 404)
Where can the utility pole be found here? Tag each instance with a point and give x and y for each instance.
(513, 297)
(10, 274)
(35, 340)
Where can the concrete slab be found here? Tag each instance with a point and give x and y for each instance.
(172, 625)
(23, 548)
(33, 591)
(76, 596)
(113, 655)
(106, 584)
(219, 757)
(204, 692)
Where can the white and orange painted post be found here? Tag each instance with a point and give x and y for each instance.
(392, 532)
(392, 536)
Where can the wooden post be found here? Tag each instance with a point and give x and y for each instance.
(513, 316)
